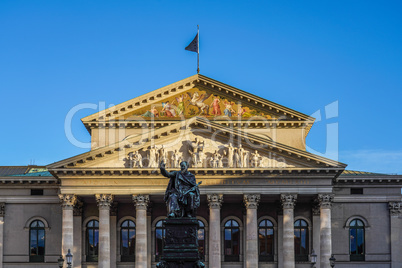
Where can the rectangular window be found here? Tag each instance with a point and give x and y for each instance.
(356, 190)
(36, 191)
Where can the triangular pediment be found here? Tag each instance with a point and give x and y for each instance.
(197, 95)
(208, 140)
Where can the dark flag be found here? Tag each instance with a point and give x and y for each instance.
(193, 46)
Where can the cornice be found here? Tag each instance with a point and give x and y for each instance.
(207, 172)
(28, 180)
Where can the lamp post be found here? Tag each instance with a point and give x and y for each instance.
(69, 258)
(332, 261)
(313, 258)
(60, 261)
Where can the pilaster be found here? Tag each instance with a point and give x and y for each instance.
(395, 212)
(2, 214)
(316, 231)
(77, 230)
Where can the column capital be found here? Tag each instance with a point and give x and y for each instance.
(78, 208)
(104, 200)
(141, 201)
(215, 200)
(395, 208)
(325, 200)
(251, 200)
(2, 209)
(316, 209)
(68, 201)
(288, 200)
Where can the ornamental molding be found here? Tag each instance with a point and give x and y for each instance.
(251, 201)
(141, 201)
(215, 200)
(68, 201)
(104, 200)
(325, 200)
(288, 201)
(395, 208)
(2, 209)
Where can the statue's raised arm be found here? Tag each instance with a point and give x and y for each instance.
(164, 172)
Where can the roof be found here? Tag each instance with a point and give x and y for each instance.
(24, 171)
(360, 173)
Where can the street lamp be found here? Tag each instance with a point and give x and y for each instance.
(69, 258)
(332, 261)
(313, 258)
(60, 261)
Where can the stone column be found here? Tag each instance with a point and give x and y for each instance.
(2, 213)
(113, 235)
(77, 230)
(325, 201)
(280, 237)
(141, 203)
(288, 204)
(316, 232)
(67, 234)
(215, 203)
(395, 212)
(104, 202)
(251, 202)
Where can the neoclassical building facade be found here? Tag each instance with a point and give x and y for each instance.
(265, 200)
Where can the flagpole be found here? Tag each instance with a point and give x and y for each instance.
(198, 49)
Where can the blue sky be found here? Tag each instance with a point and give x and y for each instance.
(305, 55)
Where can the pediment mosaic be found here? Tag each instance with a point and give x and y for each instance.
(199, 102)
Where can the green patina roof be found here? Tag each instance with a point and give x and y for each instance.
(24, 171)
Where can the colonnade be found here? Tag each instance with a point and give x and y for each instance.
(251, 201)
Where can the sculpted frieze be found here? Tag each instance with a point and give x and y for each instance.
(203, 153)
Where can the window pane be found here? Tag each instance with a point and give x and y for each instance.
(131, 224)
(297, 241)
(353, 223)
(359, 223)
(90, 224)
(228, 224)
(303, 223)
(270, 241)
(159, 224)
(353, 244)
(124, 224)
(33, 243)
(262, 240)
(200, 223)
(297, 223)
(303, 244)
(269, 223)
(235, 224)
(236, 241)
(131, 243)
(40, 224)
(262, 223)
(360, 241)
(124, 241)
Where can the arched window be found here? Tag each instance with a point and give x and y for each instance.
(36, 241)
(356, 236)
(201, 240)
(159, 239)
(232, 241)
(92, 240)
(127, 238)
(301, 240)
(266, 240)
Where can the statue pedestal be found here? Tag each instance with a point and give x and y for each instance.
(181, 244)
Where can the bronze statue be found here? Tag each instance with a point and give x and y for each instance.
(182, 195)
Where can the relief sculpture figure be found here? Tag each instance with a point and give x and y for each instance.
(182, 195)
